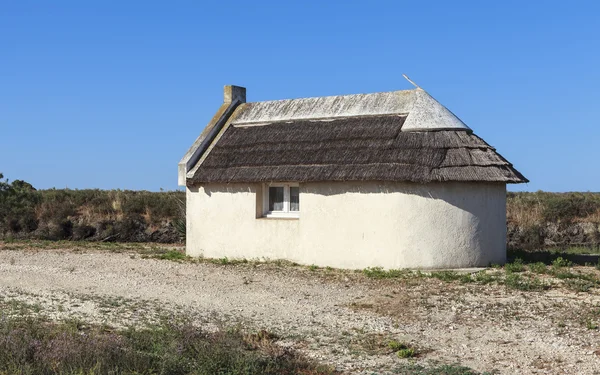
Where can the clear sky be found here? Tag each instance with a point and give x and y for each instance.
(110, 94)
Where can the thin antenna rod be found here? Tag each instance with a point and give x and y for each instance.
(409, 80)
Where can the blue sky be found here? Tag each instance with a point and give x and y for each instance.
(110, 94)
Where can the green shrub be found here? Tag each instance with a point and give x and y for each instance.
(396, 345)
(579, 285)
(483, 277)
(466, 278)
(402, 350)
(516, 281)
(406, 353)
(181, 228)
(538, 267)
(515, 266)
(560, 263)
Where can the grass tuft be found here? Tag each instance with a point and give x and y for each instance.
(380, 273)
(538, 267)
(559, 263)
(228, 261)
(518, 282)
(482, 277)
(406, 353)
(579, 285)
(401, 349)
(171, 255)
(396, 345)
(446, 275)
(516, 266)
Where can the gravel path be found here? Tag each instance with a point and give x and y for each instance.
(329, 316)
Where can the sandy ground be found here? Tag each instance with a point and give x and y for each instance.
(341, 318)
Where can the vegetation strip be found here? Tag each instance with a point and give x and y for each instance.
(39, 346)
(517, 275)
(536, 221)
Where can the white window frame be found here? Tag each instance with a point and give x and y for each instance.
(285, 213)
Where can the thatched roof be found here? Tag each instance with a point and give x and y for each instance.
(372, 147)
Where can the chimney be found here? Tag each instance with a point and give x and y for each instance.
(231, 93)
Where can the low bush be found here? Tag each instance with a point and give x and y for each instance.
(396, 345)
(406, 353)
(401, 349)
(516, 281)
(569, 206)
(83, 232)
(560, 263)
(538, 267)
(91, 214)
(516, 266)
(447, 275)
(483, 277)
(538, 220)
(578, 285)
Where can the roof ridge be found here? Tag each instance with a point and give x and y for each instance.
(333, 96)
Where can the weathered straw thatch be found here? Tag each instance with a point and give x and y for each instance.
(358, 148)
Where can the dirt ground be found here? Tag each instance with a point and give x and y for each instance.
(338, 317)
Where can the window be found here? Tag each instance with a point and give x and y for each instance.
(281, 200)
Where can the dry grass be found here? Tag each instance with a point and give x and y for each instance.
(39, 346)
(530, 209)
(116, 215)
(524, 214)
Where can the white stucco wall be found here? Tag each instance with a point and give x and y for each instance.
(355, 225)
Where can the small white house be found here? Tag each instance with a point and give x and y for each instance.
(391, 179)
